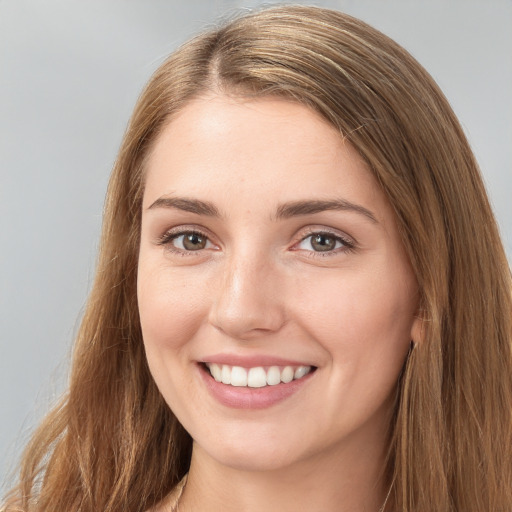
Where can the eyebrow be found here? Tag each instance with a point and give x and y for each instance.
(188, 205)
(297, 208)
(284, 211)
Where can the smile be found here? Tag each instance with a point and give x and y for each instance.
(256, 377)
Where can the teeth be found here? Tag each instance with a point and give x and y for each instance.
(225, 375)
(301, 371)
(238, 376)
(256, 377)
(216, 372)
(273, 376)
(287, 374)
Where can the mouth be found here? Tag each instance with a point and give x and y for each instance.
(257, 376)
(253, 383)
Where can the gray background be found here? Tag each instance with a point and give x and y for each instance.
(70, 72)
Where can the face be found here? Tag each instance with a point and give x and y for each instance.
(276, 302)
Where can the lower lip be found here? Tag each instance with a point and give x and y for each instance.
(251, 398)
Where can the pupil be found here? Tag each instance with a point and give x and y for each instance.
(193, 241)
(323, 243)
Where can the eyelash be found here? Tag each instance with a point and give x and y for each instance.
(348, 245)
(169, 236)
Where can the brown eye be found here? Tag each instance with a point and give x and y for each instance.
(191, 241)
(323, 242)
(186, 241)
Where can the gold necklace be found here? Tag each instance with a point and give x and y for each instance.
(176, 507)
(381, 509)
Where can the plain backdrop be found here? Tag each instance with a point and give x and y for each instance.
(70, 72)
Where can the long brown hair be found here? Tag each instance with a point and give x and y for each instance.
(114, 445)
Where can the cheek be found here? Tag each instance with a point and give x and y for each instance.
(171, 308)
(171, 312)
(359, 315)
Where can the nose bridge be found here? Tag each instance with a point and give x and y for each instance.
(247, 302)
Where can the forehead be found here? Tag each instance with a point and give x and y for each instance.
(269, 147)
(221, 122)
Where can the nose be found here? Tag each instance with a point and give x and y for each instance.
(249, 301)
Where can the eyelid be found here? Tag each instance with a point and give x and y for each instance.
(349, 243)
(171, 234)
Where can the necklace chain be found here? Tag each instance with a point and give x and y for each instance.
(382, 508)
(176, 507)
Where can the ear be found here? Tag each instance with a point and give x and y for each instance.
(418, 329)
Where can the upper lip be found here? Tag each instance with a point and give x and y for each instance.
(252, 360)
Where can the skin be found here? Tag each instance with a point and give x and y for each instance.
(259, 286)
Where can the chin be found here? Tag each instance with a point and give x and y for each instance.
(250, 455)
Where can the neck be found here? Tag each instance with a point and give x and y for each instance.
(342, 480)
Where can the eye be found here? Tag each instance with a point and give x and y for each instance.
(190, 241)
(186, 241)
(323, 242)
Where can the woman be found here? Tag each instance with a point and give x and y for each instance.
(301, 302)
